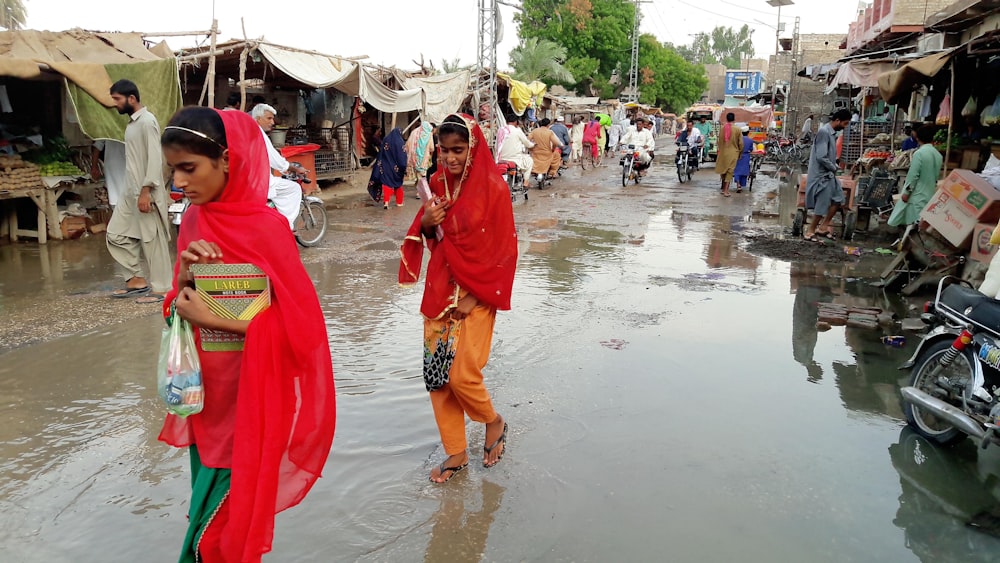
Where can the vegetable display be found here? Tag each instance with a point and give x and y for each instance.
(16, 174)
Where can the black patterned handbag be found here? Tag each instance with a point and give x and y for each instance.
(439, 353)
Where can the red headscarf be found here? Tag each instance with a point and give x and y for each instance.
(269, 411)
(479, 249)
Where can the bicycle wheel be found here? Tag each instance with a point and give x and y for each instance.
(311, 223)
(583, 156)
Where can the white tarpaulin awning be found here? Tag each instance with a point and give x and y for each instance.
(322, 71)
(860, 74)
(443, 94)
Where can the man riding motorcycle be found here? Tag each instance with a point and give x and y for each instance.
(512, 146)
(285, 194)
(643, 141)
(693, 138)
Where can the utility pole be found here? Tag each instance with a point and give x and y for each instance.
(486, 62)
(791, 81)
(633, 73)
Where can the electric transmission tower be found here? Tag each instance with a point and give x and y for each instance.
(633, 72)
(486, 63)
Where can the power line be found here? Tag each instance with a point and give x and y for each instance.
(715, 13)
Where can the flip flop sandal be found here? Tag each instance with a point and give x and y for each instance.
(129, 292)
(155, 298)
(811, 238)
(501, 440)
(727, 195)
(826, 235)
(454, 471)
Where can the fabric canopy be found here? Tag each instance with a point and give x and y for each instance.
(443, 93)
(893, 85)
(860, 74)
(322, 71)
(744, 114)
(90, 63)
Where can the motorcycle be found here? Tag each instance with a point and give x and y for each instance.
(630, 165)
(954, 388)
(685, 166)
(178, 205)
(514, 179)
(310, 225)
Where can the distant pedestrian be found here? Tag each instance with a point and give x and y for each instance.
(562, 133)
(824, 194)
(469, 229)
(576, 138)
(420, 151)
(730, 146)
(233, 101)
(139, 229)
(545, 159)
(389, 170)
(614, 136)
(268, 421)
(742, 172)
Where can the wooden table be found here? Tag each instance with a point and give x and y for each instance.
(8, 222)
(46, 202)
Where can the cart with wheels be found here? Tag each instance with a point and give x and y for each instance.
(848, 216)
(874, 194)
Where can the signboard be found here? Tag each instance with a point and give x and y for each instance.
(741, 83)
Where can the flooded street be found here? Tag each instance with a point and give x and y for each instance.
(668, 396)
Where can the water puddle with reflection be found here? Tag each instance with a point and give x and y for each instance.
(667, 392)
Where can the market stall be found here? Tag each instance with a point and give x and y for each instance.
(54, 102)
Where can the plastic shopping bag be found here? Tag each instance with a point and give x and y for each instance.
(179, 370)
(970, 108)
(944, 111)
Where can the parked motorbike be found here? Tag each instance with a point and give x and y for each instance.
(310, 225)
(178, 205)
(514, 179)
(954, 388)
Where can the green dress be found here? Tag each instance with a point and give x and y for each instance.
(921, 182)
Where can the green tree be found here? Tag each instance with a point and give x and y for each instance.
(595, 33)
(723, 45)
(13, 14)
(666, 79)
(540, 59)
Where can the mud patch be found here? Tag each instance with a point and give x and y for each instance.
(796, 249)
(702, 283)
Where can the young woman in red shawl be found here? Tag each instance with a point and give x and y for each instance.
(468, 227)
(265, 432)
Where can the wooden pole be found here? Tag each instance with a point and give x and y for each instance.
(176, 34)
(951, 123)
(211, 65)
(243, 68)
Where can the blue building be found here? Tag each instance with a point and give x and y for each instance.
(742, 83)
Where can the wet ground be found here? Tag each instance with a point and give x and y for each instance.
(668, 394)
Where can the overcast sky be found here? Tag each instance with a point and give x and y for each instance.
(393, 32)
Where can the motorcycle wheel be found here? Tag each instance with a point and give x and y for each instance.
(689, 173)
(926, 424)
(311, 224)
(626, 172)
(681, 170)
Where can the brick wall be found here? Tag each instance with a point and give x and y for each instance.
(807, 95)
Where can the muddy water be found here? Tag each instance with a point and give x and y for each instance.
(667, 393)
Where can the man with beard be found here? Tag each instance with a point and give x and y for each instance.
(285, 194)
(139, 229)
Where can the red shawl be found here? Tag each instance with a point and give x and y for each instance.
(727, 131)
(478, 252)
(270, 410)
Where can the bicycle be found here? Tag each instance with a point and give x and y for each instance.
(594, 161)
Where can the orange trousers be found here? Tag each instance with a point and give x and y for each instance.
(465, 393)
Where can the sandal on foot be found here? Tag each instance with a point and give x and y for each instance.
(153, 298)
(454, 470)
(129, 292)
(826, 235)
(502, 440)
(810, 238)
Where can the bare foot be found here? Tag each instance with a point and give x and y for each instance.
(449, 467)
(496, 442)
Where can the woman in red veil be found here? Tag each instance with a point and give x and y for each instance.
(268, 422)
(468, 226)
